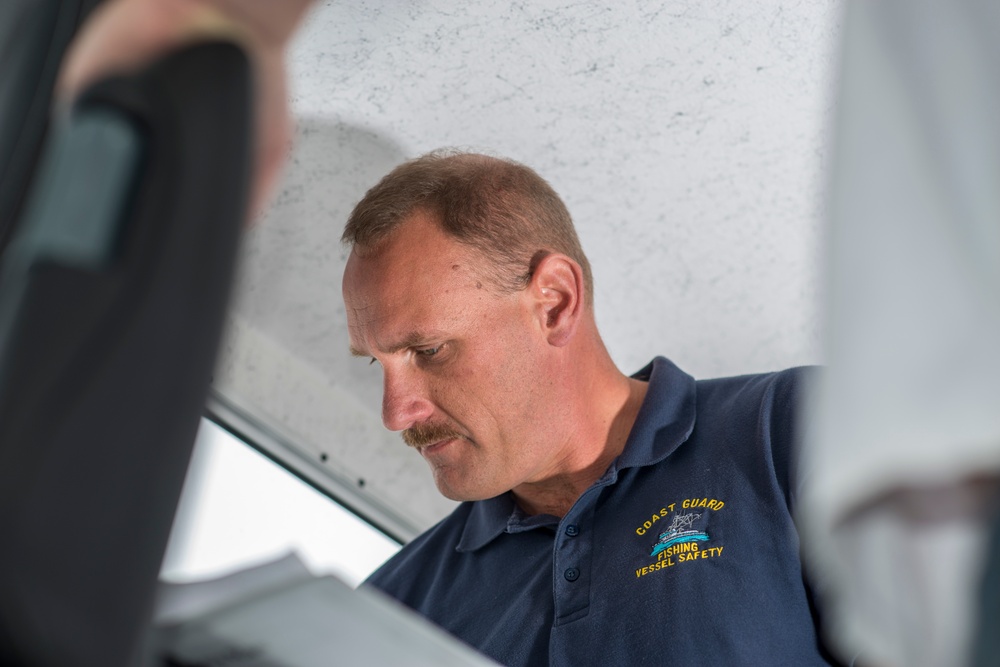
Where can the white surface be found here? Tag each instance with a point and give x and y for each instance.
(687, 138)
(179, 602)
(908, 412)
(239, 509)
(320, 623)
(278, 614)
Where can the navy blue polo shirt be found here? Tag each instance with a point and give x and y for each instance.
(683, 553)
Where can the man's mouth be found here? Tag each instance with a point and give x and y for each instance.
(434, 448)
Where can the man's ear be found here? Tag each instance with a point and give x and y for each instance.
(558, 292)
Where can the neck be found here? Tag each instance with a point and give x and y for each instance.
(599, 424)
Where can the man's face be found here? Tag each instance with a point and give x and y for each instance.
(463, 365)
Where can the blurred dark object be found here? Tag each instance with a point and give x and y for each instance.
(986, 641)
(34, 35)
(113, 291)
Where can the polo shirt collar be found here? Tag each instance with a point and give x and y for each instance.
(487, 519)
(665, 420)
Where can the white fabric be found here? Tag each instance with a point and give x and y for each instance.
(911, 399)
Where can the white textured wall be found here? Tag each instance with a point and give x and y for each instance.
(687, 138)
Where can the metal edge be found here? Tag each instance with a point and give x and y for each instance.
(270, 440)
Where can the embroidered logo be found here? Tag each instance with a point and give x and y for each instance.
(680, 531)
(686, 538)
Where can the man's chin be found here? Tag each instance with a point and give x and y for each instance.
(455, 490)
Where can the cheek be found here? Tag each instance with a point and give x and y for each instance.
(511, 382)
(496, 378)
(481, 393)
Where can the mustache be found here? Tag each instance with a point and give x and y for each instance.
(428, 434)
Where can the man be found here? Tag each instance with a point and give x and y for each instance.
(606, 519)
(610, 519)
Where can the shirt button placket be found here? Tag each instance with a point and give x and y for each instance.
(572, 564)
(572, 573)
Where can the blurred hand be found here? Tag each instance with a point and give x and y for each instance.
(125, 35)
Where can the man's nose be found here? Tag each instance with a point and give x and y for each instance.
(404, 400)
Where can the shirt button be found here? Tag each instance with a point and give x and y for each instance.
(572, 530)
(571, 574)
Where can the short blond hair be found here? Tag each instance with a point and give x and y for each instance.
(499, 207)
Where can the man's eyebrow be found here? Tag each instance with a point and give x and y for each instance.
(412, 339)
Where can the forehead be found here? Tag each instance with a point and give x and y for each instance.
(419, 279)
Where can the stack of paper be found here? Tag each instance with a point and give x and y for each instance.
(279, 615)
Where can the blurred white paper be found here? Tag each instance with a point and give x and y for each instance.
(179, 602)
(279, 615)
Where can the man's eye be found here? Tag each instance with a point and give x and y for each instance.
(428, 351)
(372, 361)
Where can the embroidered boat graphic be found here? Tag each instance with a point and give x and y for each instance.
(680, 530)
